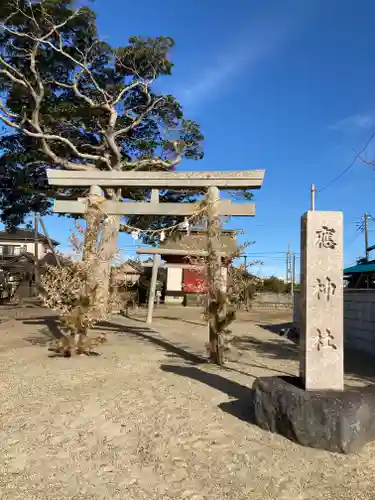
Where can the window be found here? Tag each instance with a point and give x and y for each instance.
(9, 250)
(12, 250)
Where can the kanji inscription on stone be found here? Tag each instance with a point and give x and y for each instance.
(324, 338)
(322, 302)
(325, 238)
(324, 288)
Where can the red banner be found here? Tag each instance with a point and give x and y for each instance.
(194, 281)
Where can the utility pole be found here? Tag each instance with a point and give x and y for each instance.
(244, 288)
(49, 241)
(288, 274)
(365, 227)
(312, 196)
(293, 274)
(36, 251)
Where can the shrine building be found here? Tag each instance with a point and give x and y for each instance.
(187, 284)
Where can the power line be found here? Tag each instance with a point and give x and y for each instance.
(265, 253)
(350, 165)
(361, 225)
(354, 240)
(270, 256)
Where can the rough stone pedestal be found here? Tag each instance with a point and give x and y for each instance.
(337, 421)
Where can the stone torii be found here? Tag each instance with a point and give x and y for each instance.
(216, 208)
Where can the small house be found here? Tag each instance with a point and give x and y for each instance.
(22, 241)
(17, 261)
(361, 275)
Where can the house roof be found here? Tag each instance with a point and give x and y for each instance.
(23, 235)
(128, 267)
(50, 260)
(361, 268)
(135, 265)
(23, 262)
(26, 261)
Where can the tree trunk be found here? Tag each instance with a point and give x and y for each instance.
(93, 218)
(214, 276)
(100, 248)
(106, 253)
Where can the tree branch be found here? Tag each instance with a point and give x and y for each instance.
(109, 152)
(20, 80)
(138, 120)
(123, 92)
(45, 137)
(157, 162)
(76, 90)
(35, 119)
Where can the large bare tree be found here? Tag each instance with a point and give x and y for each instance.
(71, 101)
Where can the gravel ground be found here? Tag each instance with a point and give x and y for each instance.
(146, 420)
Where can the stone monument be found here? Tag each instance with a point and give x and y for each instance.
(314, 409)
(321, 313)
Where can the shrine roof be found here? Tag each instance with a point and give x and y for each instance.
(198, 239)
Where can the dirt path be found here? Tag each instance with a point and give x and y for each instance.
(145, 420)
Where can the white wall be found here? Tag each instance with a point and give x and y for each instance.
(273, 298)
(359, 318)
(42, 247)
(174, 279)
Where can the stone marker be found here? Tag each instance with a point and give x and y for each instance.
(322, 315)
(314, 409)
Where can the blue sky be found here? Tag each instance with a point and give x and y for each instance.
(285, 86)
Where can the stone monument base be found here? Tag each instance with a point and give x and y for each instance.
(340, 422)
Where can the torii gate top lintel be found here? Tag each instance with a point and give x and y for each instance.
(242, 179)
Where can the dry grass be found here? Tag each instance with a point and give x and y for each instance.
(145, 420)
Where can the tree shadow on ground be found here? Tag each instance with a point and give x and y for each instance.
(259, 365)
(172, 318)
(50, 332)
(133, 318)
(241, 407)
(278, 348)
(168, 318)
(147, 335)
(359, 365)
(275, 327)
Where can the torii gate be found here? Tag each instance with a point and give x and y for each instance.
(213, 181)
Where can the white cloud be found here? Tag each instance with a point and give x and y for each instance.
(354, 123)
(227, 70)
(262, 39)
